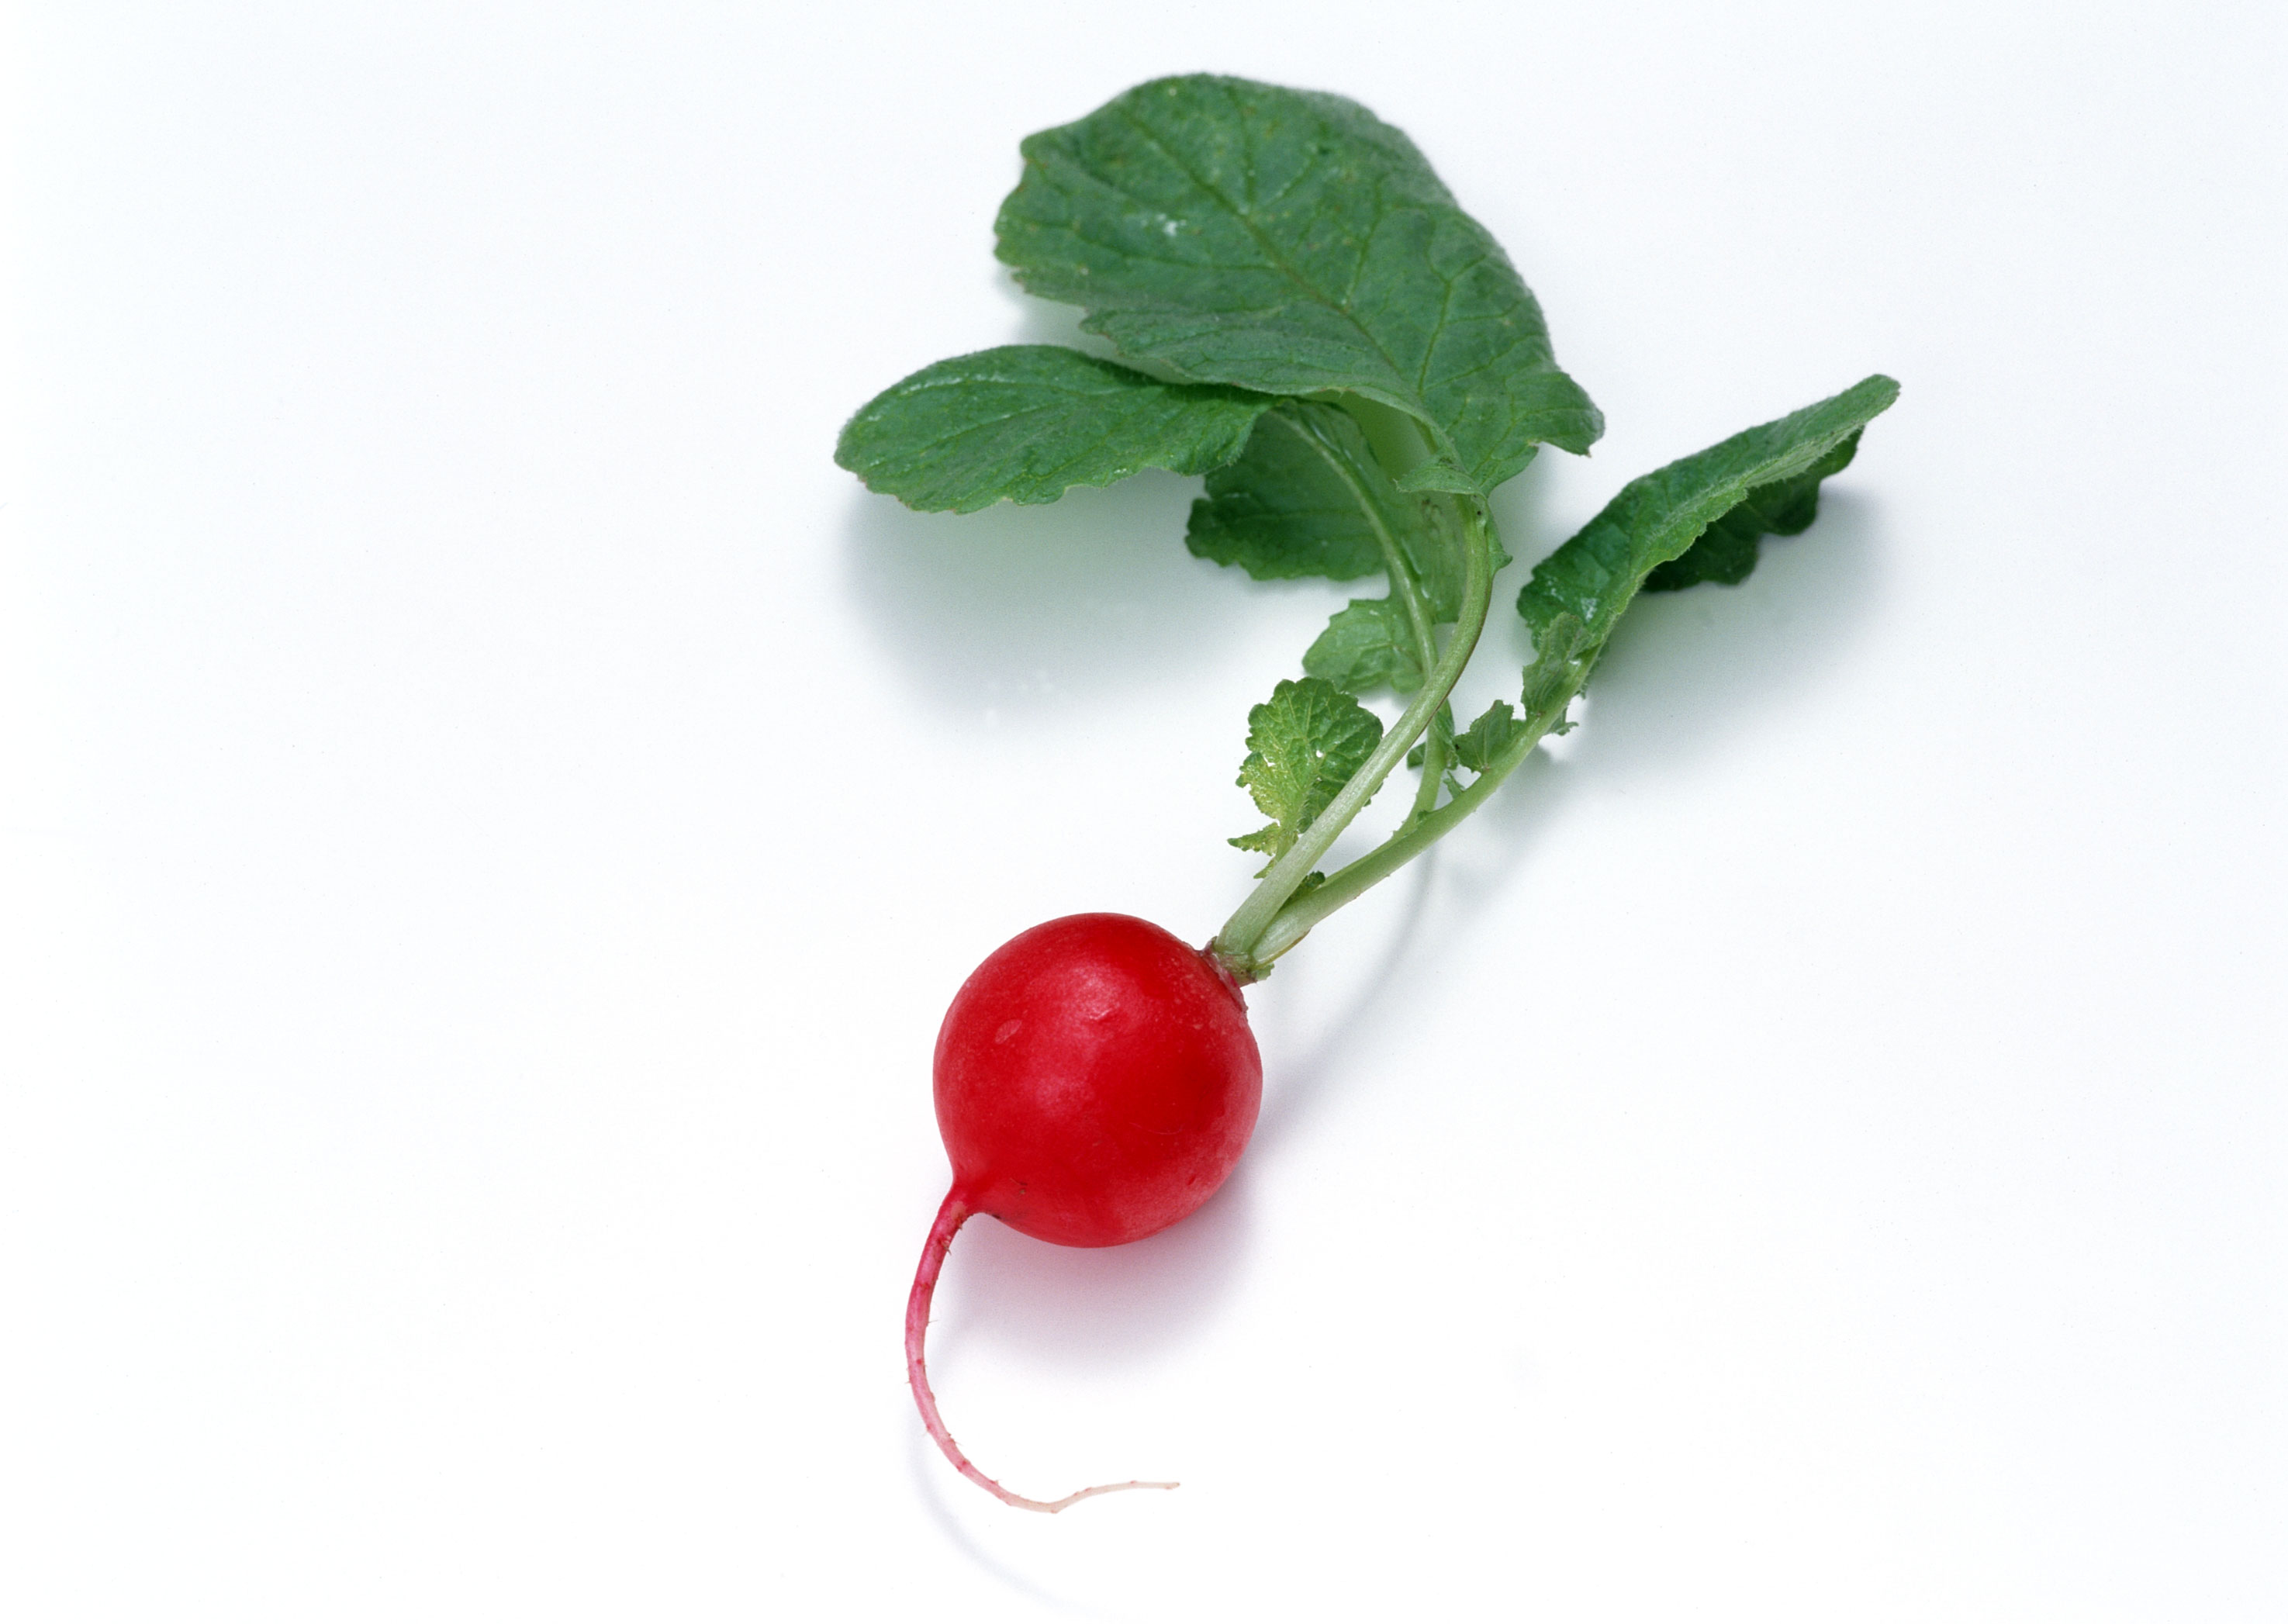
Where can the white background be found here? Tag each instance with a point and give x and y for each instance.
(492, 817)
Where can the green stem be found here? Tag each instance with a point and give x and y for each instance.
(1433, 772)
(1403, 586)
(1293, 922)
(1235, 943)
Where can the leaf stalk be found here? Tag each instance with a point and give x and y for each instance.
(1412, 838)
(1236, 944)
(1405, 586)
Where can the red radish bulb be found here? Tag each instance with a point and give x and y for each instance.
(1096, 1080)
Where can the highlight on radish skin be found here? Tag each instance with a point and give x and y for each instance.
(1096, 1080)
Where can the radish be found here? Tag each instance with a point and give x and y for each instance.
(1096, 1080)
(1354, 365)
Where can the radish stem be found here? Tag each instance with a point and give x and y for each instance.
(1234, 945)
(1404, 587)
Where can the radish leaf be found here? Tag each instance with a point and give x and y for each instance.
(1727, 552)
(1281, 511)
(1303, 744)
(1308, 498)
(1489, 737)
(1288, 241)
(1026, 422)
(1366, 645)
(1578, 592)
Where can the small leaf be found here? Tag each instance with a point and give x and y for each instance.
(1366, 645)
(1269, 840)
(1289, 242)
(1489, 737)
(1578, 592)
(1026, 422)
(1303, 744)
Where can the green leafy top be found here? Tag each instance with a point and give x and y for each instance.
(1028, 422)
(1360, 365)
(1291, 243)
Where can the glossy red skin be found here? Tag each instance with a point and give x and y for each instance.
(1096, 1080)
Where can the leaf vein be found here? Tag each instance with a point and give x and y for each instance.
(1271, 252)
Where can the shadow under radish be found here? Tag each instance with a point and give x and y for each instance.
(1292, 1087)
(1093, 1308)
(1685, 672)
(1027, 609)
(1446, 890)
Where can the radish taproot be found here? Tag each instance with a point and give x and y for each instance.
(1096, 1080)
(1354, 365)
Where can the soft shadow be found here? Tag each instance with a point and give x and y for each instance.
(1093, 1307)
(1044, 322)
(936, 1482)
(1520, 509)
(1302, 1084)
(1686, 674)
(1468, 874)
(1019, 608)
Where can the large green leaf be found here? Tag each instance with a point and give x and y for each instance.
(1578, 592)
(1288, 241)
(1028, 422)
